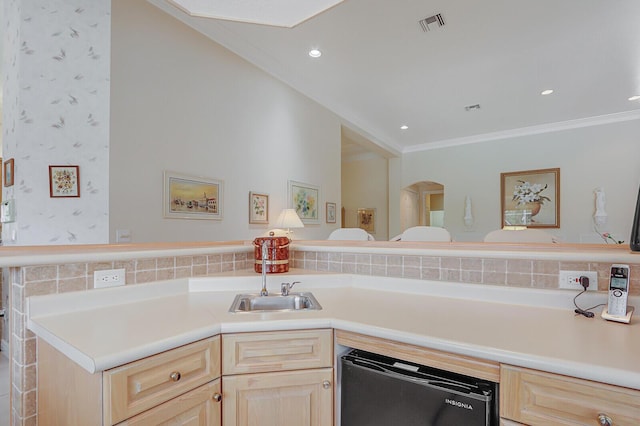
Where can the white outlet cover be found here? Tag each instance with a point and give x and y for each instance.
(109, 278)
(568, 280)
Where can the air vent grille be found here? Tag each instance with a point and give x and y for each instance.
(431, 23)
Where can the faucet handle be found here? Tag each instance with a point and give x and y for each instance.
(286, 287)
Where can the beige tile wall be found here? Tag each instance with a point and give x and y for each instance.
(50, 279)
(474, 270)
(36, 280)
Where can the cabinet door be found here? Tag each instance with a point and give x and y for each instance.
(291, 398)
(201, 406)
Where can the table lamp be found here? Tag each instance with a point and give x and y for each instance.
(289, 219)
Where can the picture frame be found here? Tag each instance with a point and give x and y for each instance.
(330, 213)
(258, 208)
(9, 172)
(304, 198)
(64, 181)
(530, 198)
(192, 197)
(367, 220)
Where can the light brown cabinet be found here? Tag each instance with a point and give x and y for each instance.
(278, 378)
(173, 387)
(538, 398)
(200, 406)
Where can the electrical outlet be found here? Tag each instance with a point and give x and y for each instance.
(109, 278)
(571, 280)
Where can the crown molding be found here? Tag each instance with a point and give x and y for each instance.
(527, 131)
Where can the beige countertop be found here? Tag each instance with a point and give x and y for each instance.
(100, 329)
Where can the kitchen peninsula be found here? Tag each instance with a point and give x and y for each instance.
(47, 271)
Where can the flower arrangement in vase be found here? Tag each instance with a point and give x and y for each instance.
(530, 196)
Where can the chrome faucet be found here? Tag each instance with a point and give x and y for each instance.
(265, 253)
(285, 288)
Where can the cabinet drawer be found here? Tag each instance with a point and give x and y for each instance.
(538, 398)
(138, 386)
(277, 351)
(201, 406)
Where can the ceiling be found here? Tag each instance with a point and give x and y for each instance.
(379, 70)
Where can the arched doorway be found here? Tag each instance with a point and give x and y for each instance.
(422, 204)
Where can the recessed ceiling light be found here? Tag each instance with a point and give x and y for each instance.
(634, 98)
(315, 53)
(405, 127)
(546, 92)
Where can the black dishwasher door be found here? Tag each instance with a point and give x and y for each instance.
(382, 391)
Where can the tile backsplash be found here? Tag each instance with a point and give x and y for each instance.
(523, 272)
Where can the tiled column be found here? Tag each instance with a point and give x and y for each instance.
(50, 279)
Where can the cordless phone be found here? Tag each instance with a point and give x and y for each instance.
(618, 290)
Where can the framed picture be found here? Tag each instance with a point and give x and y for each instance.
(305, 200)
(64, 181)
(258, 208)
(331, 213)
(367, 220)
(8, 172)
(531, 198)
(192, 197)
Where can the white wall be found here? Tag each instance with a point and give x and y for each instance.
(56, 112)
(180, 102)
(604, 156)
(409, 208)
(365, 185)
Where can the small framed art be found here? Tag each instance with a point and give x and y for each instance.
(367, 220)
(64, 181)
(258, 208)
(8, 172)
(331, 212)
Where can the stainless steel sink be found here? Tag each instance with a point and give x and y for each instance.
(276, 303)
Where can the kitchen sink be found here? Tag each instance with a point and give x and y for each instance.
(275, 303)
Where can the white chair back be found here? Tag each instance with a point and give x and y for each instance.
(425, 233)
(350, 234)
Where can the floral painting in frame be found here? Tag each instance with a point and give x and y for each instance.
(258, 208)
(367, 220)
(536, 193)
(304, 198)
(64, 181)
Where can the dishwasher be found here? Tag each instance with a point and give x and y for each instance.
(380, 391)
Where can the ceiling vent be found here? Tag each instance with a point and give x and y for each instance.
(431, 23)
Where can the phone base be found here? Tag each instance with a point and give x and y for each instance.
(625, 319)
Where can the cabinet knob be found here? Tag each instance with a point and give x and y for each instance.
(217, 397)
(326, 384)
(605, 420)
(175, 376)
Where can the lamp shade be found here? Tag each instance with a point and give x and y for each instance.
(289, 219)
